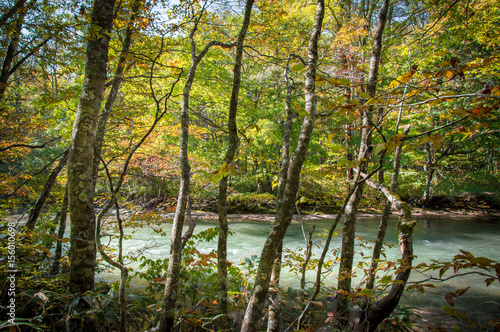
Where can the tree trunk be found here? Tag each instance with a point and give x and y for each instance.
(115, 88)
(430, 174)
(231, 151)
(80, 165)
(285, 213)
(377, 248)
(167, 318)
(273, 323)
(37, 208)
(60, 234)
(349, 230)
(383, 308)
(11, 53)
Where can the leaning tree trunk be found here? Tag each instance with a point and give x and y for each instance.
(60, 234)
(80, 165)
(377, 248)
(11, 52)
(348, 236)
(383, 308)
(285, 213)
(231, 151)
(37, 208)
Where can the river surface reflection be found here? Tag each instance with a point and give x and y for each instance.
(436, 237)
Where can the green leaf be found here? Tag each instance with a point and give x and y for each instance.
(297, 67)
(342, 162)
(303, 113)
(379, 148)
(216, 177)
(385, 280)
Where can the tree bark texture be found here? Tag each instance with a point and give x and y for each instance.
(273, 323)
(80, 165)
(37, 208)
(383, 308)
(231, 151)
(377, 248)
(115, 88)
(285, 213)
(349, 230)
(167, 318)
(11, 52)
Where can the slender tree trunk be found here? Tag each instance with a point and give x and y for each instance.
(430, 173)
(383, 308)
(231, 151)
(377, 248)
(273, 324)
(285, 213)
(167, 318)
(80, 165)
(309, 244)
(349, 230)
(115, 88)
(11, 52)
(37, 208)
(60, 234)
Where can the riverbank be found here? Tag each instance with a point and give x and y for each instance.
(417, 213)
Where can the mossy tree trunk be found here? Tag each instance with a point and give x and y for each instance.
(80, 164)
(349, 229)
(167, 318)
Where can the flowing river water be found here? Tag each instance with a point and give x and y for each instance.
(436, 237)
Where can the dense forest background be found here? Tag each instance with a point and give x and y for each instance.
(230, 106)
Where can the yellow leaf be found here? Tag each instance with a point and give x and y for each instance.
(448, 73)
(496, 90)
(403, 79)
(437, 140)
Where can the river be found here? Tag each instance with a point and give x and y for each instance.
(436, 237)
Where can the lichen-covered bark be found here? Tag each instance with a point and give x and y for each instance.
(231, 151)
(284, 215)
(377, 247)
(80, 164)
(115, 87)
(167, 317)
(348, 236)
(273, 323)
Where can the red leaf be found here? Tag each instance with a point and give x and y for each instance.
(450, 299)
